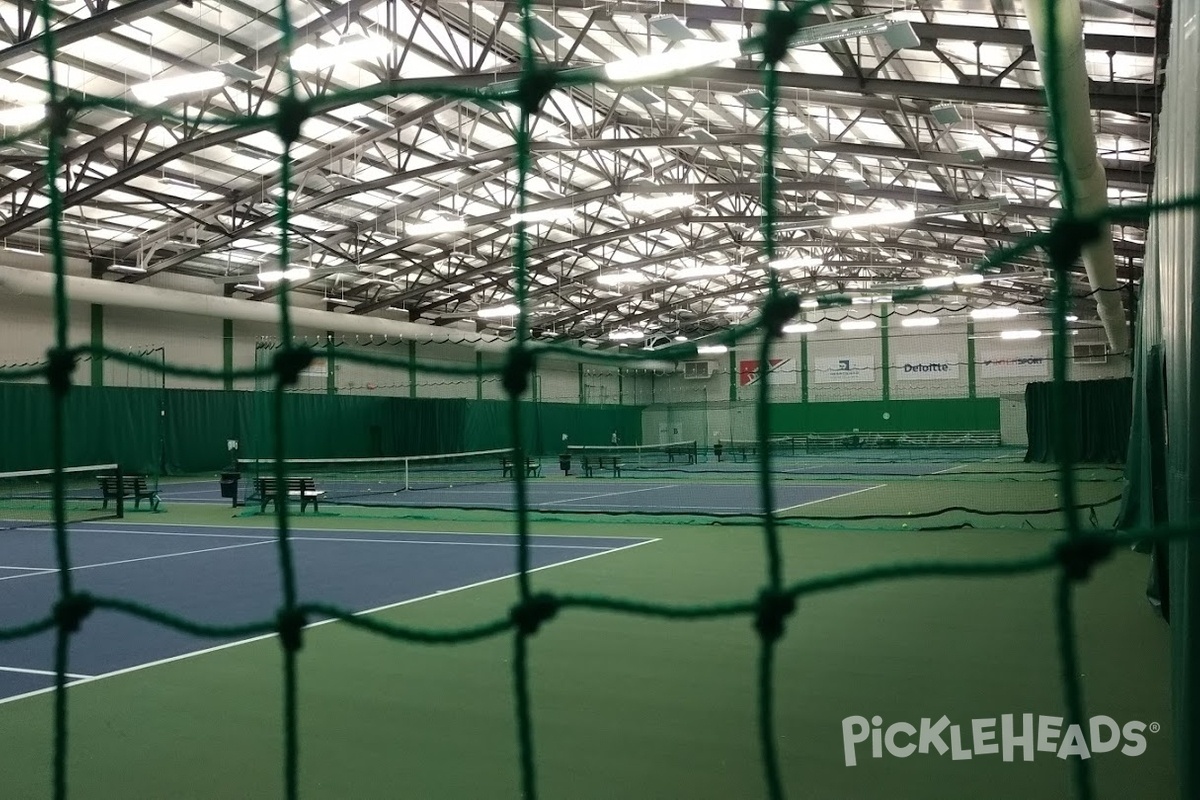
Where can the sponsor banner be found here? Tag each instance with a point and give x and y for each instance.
(1016, 366)
(782, 370)
(927, 367)
(844, 369)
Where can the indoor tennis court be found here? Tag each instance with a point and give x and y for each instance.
(567, 400)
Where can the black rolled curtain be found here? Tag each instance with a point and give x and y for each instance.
(1100, 414)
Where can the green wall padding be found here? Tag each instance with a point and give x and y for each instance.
(1102, 416)
(949, 414)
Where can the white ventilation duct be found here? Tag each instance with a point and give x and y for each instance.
(1078, 145)
(129, 295)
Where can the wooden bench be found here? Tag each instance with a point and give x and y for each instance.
(113, 487)
(303, 488)
(593, 463)
(533, 469)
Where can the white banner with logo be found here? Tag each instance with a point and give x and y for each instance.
(927, 367)
(844, 369)
(1015, 366)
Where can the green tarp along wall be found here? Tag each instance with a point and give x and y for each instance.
(175, 431)
(1101, 414)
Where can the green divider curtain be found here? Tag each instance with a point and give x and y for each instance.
(1102, 413)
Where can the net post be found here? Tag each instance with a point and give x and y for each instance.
(120, 483)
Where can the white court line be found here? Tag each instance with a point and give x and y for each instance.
(605, 494)
(375, 610)
(951, 469)
(28, 569)
(259, 539)
(271, 530)
(833, 497)
(50, 672)
(143, 558)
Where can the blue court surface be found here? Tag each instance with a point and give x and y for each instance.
(228, 576)
(642, 495)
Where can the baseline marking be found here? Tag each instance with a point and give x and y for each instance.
(605, 494)
(831, 497)
(134, 560)
(49, 672)
(318, 623)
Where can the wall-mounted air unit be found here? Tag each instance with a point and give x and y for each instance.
(698, 370)
(1090, 353)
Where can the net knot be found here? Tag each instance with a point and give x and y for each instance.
(529, 615)
(1079, 554)
(781, 25)
(71, 611)
(517, 367)
(1068, 237)
(778, 309)
(290, 623)
(773, 608)
(291, 115)
(533, 87)
(290, 362)
(60, 363)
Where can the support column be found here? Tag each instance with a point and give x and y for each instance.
(582, 393)
(884, 354)
(620, 386)
(478, 375)
(804, 368)
(971, 359)
(412, 368)
(227, 345)
(732, 377)
(330, 365)
(97, 344)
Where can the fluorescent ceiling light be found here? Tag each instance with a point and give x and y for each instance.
(800, 327)
(920, 322)
(938, 280)
(543, 215)
(626, 335)
(857, 324)
(901, 36)
(654, 203)
(681, 338)
(802, 141)
(1025, 334)
(671, 27)
(642, 95)
(796, 262)
(946, 113)
(999, 312)
(970, 279)
(700, 271)
(752, 98)
(508, 310)
(309, 57)
(249, 287)
(617, 278)
(237, 71)
(893, 216)
(1072, 318)
(673, 62)
(700, 136)
(129, 268)
(156, 91)
(19, 116)
(543, 31)
(435, 226)
(866, 301)
(712, 348)
(292, 274)
(810, 303)
(737, 308)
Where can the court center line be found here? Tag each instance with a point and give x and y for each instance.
(135, 560)
(318, 623)
(831, 497)
(605, 494)
(49, 672)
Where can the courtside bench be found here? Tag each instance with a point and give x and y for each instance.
(593, 463)
(533, 469)
(304, 489)
(123, 487)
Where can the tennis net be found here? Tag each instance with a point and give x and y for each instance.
(633, 456)
(27, 496)
(371, 481)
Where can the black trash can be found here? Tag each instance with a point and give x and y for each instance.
(564, 463)
(229, 485)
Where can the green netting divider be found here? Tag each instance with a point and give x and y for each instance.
(1072, 556)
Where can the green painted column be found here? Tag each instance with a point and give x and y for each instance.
(620, 386)
(412, 369)
(582, 393)
(883, 353)
(97, 344)
(732, 376)
(227, 345)
(971, 358)
(804, 368)
(330, 365)
(478, 375)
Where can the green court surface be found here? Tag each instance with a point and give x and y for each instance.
(632, 707)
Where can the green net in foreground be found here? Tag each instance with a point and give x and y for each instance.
(1072, 557)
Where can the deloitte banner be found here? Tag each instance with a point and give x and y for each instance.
(926, 367)
(1019, 366)
(844, 369)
